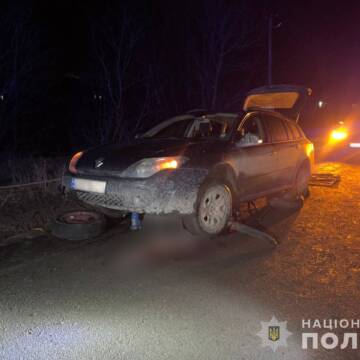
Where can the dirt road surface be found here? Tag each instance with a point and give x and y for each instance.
(161, 294)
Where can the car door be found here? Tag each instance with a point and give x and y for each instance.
(252, 157)
(285, 146)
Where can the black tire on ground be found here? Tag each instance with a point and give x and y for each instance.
(197, 225)
(77, 225)
(294, 198)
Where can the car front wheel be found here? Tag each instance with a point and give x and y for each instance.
(214, 208)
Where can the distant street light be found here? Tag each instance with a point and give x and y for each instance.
(321, 104)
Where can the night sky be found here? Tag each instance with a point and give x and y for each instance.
(317, 45)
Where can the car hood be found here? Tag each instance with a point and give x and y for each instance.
(286, 99)
(116, 158)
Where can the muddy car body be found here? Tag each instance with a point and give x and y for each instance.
(202, 166)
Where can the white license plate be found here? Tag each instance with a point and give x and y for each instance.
(88, 185)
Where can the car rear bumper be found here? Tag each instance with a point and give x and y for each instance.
(163, 193)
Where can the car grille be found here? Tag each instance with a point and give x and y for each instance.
(100, 199)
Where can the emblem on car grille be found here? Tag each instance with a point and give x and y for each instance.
(99, 163)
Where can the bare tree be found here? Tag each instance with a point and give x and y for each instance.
(225, 34)
(120, 83)
(217, 57)
(139, 77)
(20, 59)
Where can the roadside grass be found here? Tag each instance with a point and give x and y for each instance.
(36, 169)
(24, 208)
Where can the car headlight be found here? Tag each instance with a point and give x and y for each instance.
(339, 134)
(73, 162)
(147, 167)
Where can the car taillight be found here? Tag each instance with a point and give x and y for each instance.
(73, 162)
(309, 149)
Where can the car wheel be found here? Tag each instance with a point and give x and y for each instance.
(294, 198)
(302, 182)
(282, 203)
(77, 225)
(214, 209)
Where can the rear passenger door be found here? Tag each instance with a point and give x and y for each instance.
(252, 156)
(285, 147)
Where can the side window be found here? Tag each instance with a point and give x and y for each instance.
(211, 126)
(221, 125)
(295, 130)
(250, 132)
(301, 131)
(289, 130)
(276, 128)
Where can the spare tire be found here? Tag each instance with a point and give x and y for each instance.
(78, 225)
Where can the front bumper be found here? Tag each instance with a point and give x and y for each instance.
(163, 193)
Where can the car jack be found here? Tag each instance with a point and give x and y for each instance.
(135, 221)
(262, 233)
(251, 231)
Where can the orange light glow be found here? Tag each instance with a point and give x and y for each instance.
(168, 164)
(73, 162)
(309, 149)
(339, 134)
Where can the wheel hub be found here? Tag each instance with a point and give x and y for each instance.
(215, 208)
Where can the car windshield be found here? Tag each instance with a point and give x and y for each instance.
(217, 126)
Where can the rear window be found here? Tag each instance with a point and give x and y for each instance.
(295, 130)
(276, 128)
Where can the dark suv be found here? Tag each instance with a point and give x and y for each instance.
(202, 165)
